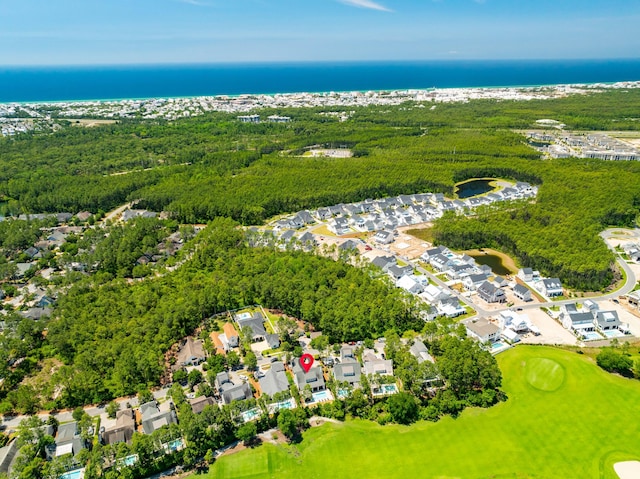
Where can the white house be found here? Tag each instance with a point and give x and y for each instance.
(409, 283)
(550, 287)
(522, 292)
(482, 330)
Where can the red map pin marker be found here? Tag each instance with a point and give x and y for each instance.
(306, 361)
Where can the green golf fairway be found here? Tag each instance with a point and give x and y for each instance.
(565, 418)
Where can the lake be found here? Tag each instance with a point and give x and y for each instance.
(493, 261)
(474, 188)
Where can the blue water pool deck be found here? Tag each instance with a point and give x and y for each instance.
(175, 445)
(251, 414)
(591, 336)
(385, 390)
(129, 460)
(614, 333)
(76, 474)
(342, 393)
(288, 404)
(321, 396)
(499, 347)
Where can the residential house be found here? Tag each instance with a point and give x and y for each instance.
(472, 281)
(313, 378)
(198, 404)
(410, 284)
(522, 292)
(274, 380)
(231, 335)
(578, 323)
(192, 353)
(482, 330)
(384, 262)
(339, 226)
(348, 245)
(273, 340)
(123, 430)
(397, 272)
(383, 367)
(607, 321)
(440, 262)
(383, 237)
(550, 287)
(348, 371)
(255, 323)
(153, 419)
(420, 351)
(218, 343)
(229, 391)
(489, 293)
(67, 441)
(526, 274)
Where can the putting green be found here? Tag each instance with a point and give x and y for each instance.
(544, 374)
(565, 418)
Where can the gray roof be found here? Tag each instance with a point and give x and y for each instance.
(580, 318)
(238, 392)
(66, 433)
(256, 325)
(313, 377)
(608, 319)
(521, 290)
(347, 371)
(420, 351)
(274, 380)
(156, 421)
(273, 340)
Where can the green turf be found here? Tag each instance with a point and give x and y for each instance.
(565, 418)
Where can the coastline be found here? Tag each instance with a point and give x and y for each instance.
(51, 85)
(551, 86)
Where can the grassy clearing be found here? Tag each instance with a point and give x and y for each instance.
(565, 418)
(425, 234)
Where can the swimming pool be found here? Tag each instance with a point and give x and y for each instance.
(614, 333)
(591, 336)
(322, 396)
(175, 445)
(288, 404)
(390, 388)
(251, 414)
(77, 474)
(129, 460)
(342, 393)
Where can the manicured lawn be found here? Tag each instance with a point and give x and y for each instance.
(565, 418)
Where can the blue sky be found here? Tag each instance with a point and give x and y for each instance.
(71, 32)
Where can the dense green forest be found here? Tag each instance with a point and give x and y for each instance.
(210, 166)
(112, 337)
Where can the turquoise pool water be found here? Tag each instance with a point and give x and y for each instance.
(614, 333)
(251, 414)
(77, 474)
(130, 460)
(321, 396)
(288, 404)
(390, 388)
(175, 445)
(591, 336)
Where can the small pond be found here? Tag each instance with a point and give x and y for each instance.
(474, 188)
(493, 261)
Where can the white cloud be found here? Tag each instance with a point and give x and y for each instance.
(366, 4)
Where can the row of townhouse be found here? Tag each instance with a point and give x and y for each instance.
(402, 210)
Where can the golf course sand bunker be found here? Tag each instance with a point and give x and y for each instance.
(627, 469)
(544, 374)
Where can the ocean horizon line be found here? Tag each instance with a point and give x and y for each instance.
(64, 84)
(252, 63)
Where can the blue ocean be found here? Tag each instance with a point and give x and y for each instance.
(27, 84)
